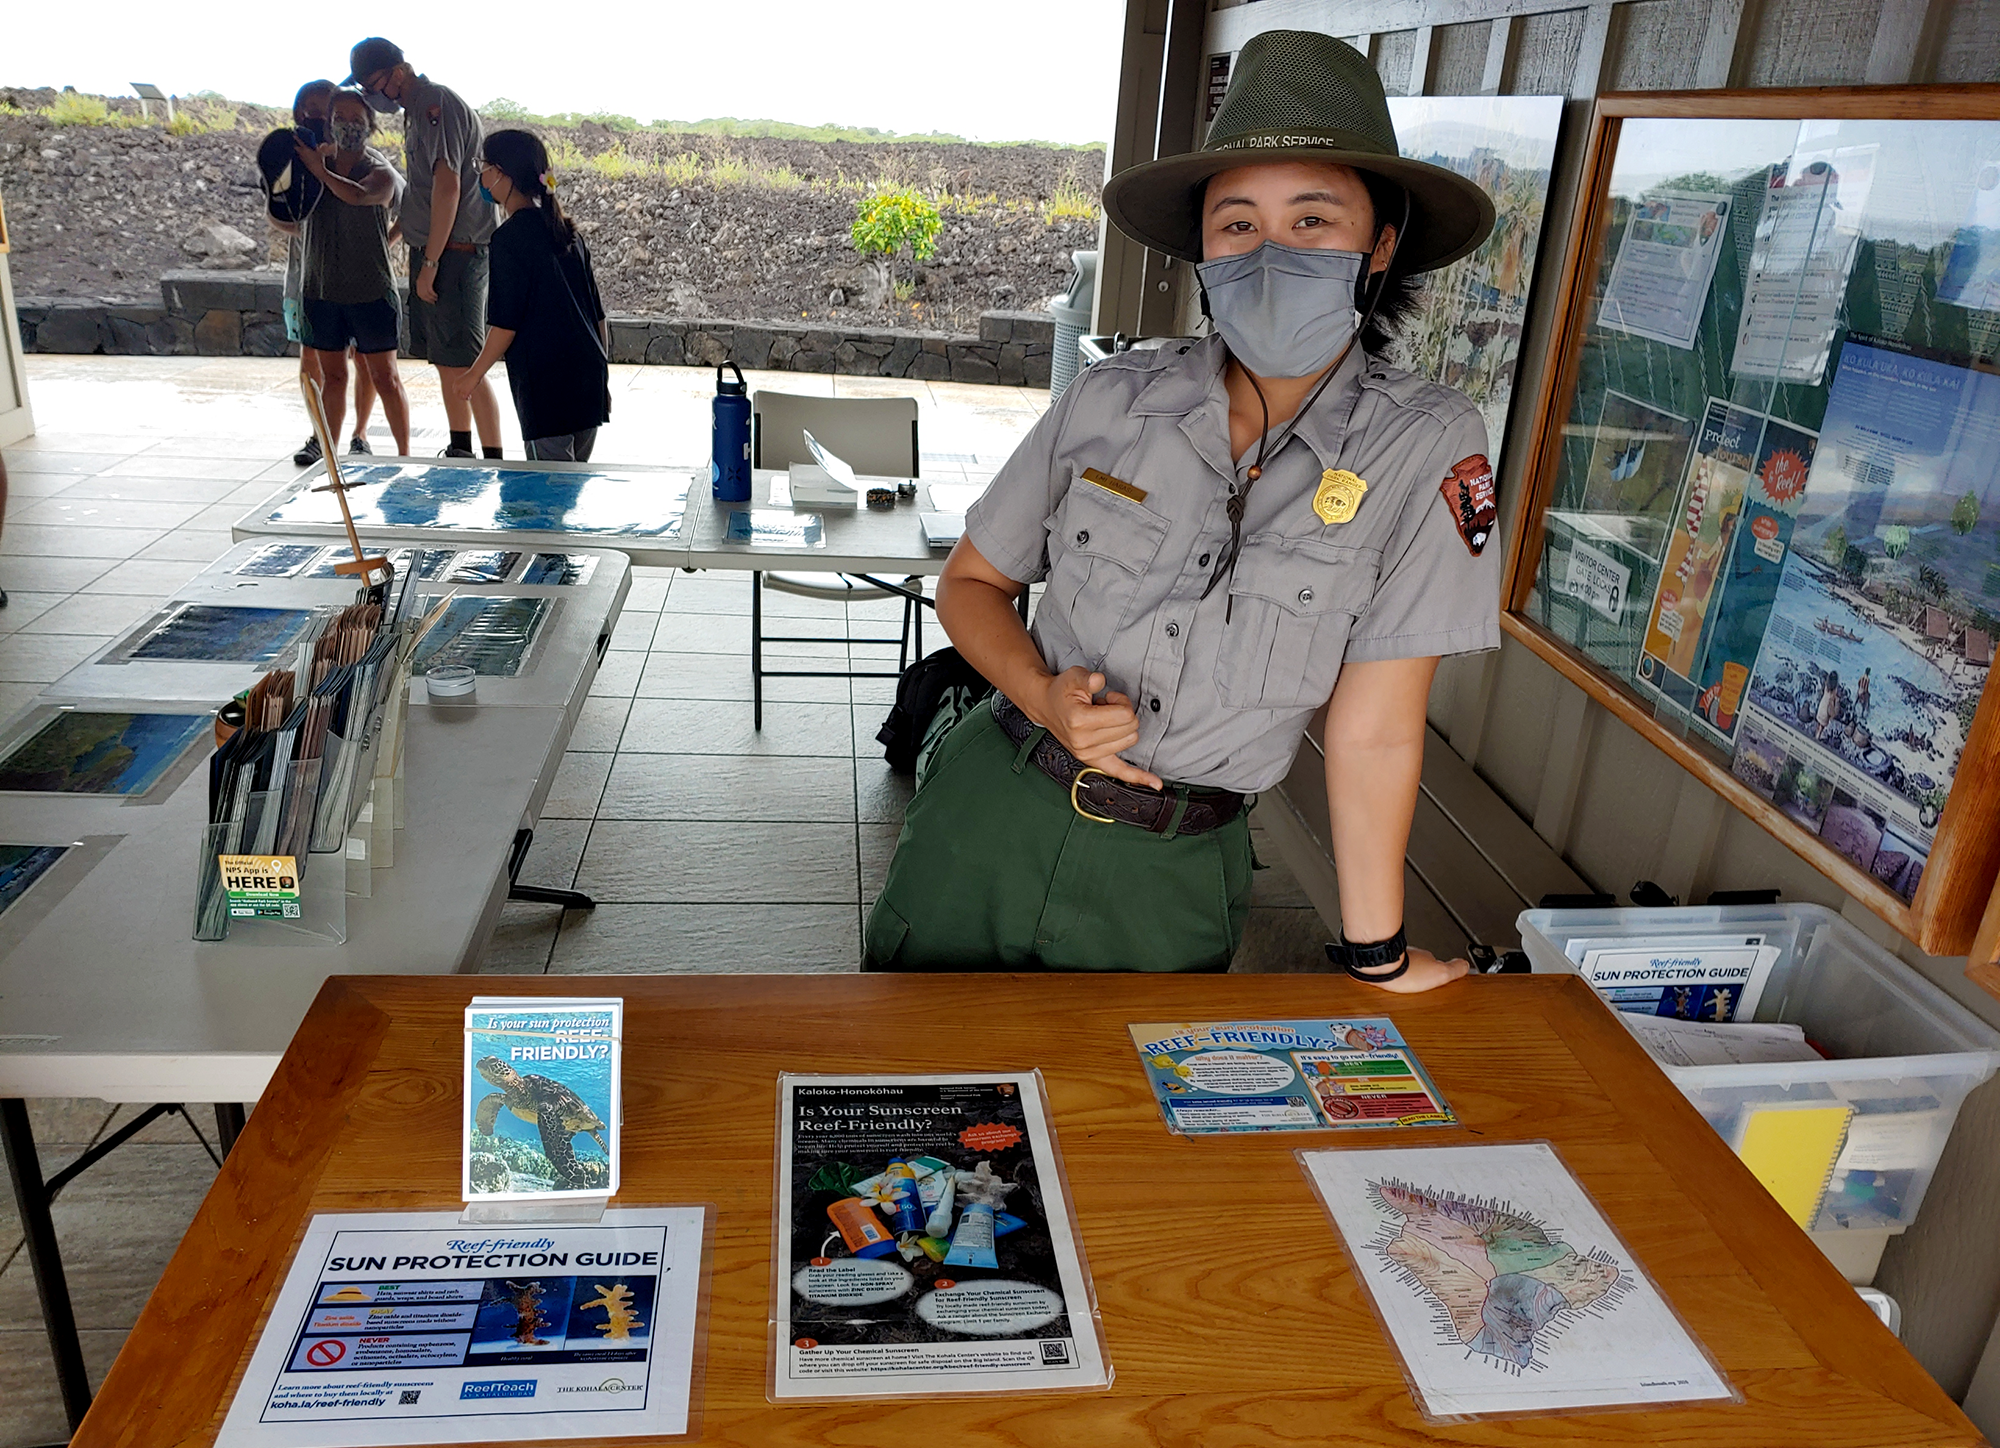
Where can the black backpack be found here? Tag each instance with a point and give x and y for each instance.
(942, 682)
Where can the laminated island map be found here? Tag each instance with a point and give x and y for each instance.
(1501, 1286)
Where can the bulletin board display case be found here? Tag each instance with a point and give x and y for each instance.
(1763, 522)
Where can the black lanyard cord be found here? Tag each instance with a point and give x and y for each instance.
(1239, 495)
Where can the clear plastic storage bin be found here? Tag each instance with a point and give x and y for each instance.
(1905, 1054)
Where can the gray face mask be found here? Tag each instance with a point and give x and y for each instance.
(379, 102)
(1285, 311)
(350, 135)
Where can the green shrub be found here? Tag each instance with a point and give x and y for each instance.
(74, 109)
(887, 225)
(681, 170)
(618, 164)
(729, 171)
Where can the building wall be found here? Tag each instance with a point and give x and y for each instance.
(1615, 807)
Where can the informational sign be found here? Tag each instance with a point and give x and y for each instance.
(1659, 281)
(411, 1328)
(1804, 249)
(923, 1242)
(1317, 1075)
(1597, 579)
(1692, 978)
(542, 1099)
(261, 887)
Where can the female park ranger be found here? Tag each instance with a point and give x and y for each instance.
(1234, 531)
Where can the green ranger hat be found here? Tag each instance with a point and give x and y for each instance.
(1296, 95)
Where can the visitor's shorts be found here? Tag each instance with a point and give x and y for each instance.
(450, 331)
(365, 326)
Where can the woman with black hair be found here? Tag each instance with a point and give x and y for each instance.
(1236, 532)
(311, 111)
(543, 313)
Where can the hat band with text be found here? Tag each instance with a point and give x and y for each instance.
(1290, 140)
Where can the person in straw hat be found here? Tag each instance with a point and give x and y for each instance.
(1234, 531)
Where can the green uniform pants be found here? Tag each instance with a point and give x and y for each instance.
(995, 870)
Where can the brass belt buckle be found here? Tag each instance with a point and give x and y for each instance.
(1077, 804)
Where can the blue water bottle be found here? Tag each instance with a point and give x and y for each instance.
(729, 450)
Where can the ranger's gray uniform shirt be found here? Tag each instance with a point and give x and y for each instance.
(1414, 574)
(437, 125)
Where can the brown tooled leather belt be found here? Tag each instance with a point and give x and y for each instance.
(1100, 796)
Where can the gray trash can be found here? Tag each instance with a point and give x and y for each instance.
(1072, 317)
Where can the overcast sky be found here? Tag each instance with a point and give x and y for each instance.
(1020, 70)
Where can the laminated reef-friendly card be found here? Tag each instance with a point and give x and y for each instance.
(536, 1313)
(541, 1124)
(1762, 522)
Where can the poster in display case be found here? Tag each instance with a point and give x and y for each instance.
(1763, 518)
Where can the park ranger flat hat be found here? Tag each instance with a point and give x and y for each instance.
(1296, 95)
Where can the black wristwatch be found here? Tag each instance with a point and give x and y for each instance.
(1363, 962)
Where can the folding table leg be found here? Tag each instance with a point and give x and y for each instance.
(228, 1124)
(757, 648)
(32, 1198)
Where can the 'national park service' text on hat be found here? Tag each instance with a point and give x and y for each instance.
(1296, 95)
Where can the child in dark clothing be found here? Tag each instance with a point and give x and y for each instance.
(543, 312)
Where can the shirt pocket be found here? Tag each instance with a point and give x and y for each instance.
(1293, 603)
(1100, 546)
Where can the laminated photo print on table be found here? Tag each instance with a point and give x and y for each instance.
(542, 1098)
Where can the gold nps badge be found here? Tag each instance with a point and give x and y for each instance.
(1339, 495)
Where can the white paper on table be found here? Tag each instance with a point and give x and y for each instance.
(836, 467)
(403, 1327)
(1501, 1285)
(954, 497)
(1705, 1043)
(813, 485)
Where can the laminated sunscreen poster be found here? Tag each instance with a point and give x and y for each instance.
(413, 1328)
(1222, 1076)
(923, 1242)
(1723, 563)
(1502, 1287)
(541, 1098)
(1659, 280)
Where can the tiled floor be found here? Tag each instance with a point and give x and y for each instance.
(709, 846)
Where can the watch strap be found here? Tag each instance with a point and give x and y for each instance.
(1364, 962)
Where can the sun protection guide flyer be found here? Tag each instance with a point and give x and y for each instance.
(1219, 1076)
(923, 1242)
(541, 1098)
(412, 1327)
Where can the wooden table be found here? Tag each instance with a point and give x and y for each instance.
(1229, 1310)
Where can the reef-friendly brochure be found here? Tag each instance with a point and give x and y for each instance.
(541, 1098)
(1221, 1076)
(923, 1242)
(1502, 1287)
(411, 1327)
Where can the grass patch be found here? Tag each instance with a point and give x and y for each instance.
(729, 171)
(681, 170)
(618, 164)
(1070, 201)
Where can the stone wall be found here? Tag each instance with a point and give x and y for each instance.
(240, 314)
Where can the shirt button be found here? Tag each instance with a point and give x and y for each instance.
(1082, 537)
(1173, 630)
(1201, 562)
(1305, 595)
(1156, 706)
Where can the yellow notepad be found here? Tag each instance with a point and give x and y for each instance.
(1791, 1150)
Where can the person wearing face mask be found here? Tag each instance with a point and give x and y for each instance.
(543, 312)
(349, 286)
(1234, 531)
(309, 119)
(447, 227)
